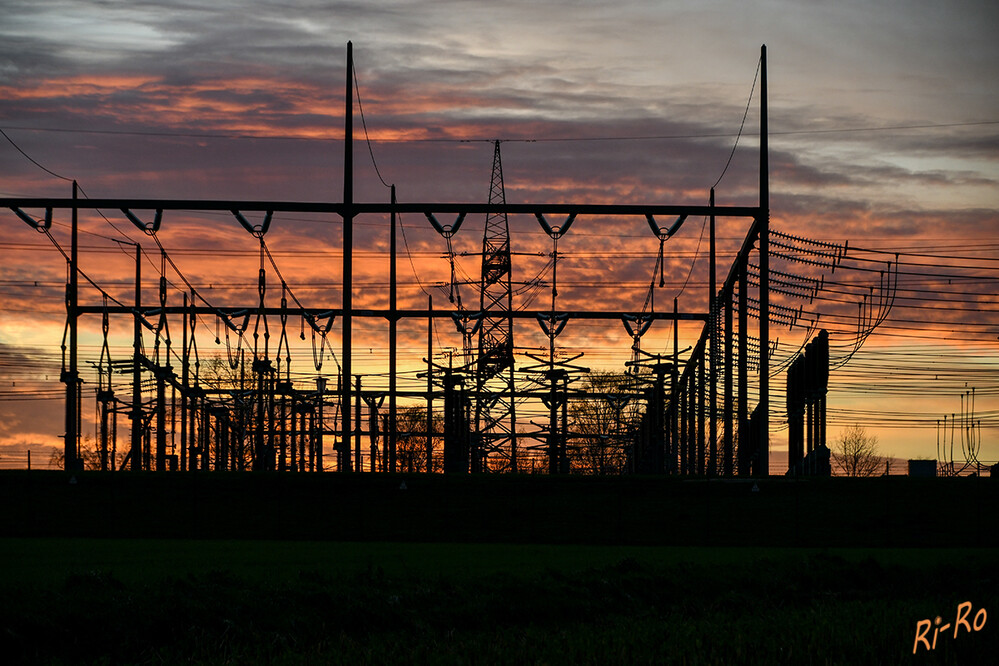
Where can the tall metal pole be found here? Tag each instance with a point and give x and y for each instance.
(430, 383)
(104, 407)
(320, 400)
(71, 451)
(764, 434)
(674, 387)
(161, 389)
(135, 452)
(243, 415)
(262, 459)
(192, 461)
(205, 434)
(393, 344)
(161, 419)
(357, 428)
(348, 248)
(712, 352)
(192, 432)
(184, 372)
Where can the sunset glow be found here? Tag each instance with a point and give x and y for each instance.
(889, 150)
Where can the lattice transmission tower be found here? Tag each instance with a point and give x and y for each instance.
(495, 412)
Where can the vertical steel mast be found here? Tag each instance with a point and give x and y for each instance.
(71, 376)
(348, 249)
(764, 223)
(495, 412)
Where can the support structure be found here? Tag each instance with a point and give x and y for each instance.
(347, 215)
(71, 375)
(495, 415)
(269, 423)
(763, 221)
(807, 385)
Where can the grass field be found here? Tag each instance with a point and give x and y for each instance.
(167, 601)
(660, 572)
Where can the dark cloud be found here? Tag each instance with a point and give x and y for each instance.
(626, 103)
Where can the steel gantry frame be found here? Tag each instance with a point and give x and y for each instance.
(686, 431)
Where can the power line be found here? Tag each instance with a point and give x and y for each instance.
(364, 125)
(568, 139)
(32, 160)
(738, 135)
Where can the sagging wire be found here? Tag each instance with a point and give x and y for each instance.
(663, 235)
(233, 361)
(454, 292)
(402, 227)
(728, 163)
(364, 124)
(105, 349)
(307, 317)
(447, 231)
(870, 314)
(32, 160)
(554, 324)
(533, 287)
(193, 343)
(745, 114)
(319, 355)
(409, 255)
(261, 292)
(283, 338)
(44, 226)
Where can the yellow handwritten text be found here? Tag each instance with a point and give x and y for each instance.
(961, 620)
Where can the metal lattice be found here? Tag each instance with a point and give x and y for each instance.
(495, 415)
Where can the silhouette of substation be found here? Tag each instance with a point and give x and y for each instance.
(692, 406)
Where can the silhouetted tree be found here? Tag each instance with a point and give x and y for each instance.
(219, 377)
(411, 440)
(856, 452)
(90, 452)
(600, 425)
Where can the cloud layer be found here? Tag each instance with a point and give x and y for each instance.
(632, 103)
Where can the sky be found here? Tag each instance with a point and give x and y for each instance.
(884, 121)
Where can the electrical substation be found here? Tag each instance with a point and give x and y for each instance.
(490, 405)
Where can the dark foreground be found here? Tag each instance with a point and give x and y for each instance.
(879, 512)
(135, 570)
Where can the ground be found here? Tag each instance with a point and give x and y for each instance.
(290, 569)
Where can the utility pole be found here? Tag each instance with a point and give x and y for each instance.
(348, 249)
(764, 221)
(393, 346)
(676, 411)
(320, 400)
(71, 445)
(357, 428)
(430, 383)
(135, 452)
